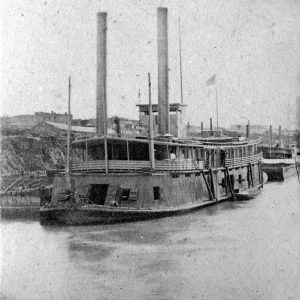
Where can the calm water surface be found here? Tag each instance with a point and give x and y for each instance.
(235, 250)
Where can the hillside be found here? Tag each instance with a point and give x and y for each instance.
(31, 154)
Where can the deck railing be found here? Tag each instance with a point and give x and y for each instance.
(135, 165)
(241, 161)
(23, 173)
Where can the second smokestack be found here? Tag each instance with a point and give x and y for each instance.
(101, 110)
(163, 68)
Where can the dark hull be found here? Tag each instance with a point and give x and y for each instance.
(279, 172)
(97, 214)
(93, 214)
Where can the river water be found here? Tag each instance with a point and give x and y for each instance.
(234, 250)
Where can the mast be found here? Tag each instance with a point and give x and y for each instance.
(151, 142)
(180, 63)
(69, 128)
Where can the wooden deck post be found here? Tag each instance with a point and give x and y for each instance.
(106, 155)
(127, 149)
(230, 184)
(207, 186)
(251, 174)
(151, 141)
(212, 183)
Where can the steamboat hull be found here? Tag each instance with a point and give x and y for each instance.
(95, 214)
(279, 172)
(109, 215)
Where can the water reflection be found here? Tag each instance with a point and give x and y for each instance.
(235, 250)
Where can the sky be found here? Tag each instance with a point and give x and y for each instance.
(252, 46)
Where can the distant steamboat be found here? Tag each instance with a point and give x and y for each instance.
(279, 163)
(163, 173)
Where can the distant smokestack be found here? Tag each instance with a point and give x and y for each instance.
(118, 126)
(279, 136)
(248, 130)
(271, 136)
(101, 111)
(211, 128)
(201, 128)
(163, 76)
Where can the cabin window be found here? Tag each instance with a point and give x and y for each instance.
(95, 152)
(236, 153)
(156, 193)
(175, 176)
(212, 156)
(139, 151)
(240, 152)
(187, 175)
(222, 157)
(197, 174)
(125, 194)
(160, 152)
(117, 150)
(201, 154)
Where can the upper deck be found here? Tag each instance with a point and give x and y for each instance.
(117, 154)
(275, 152)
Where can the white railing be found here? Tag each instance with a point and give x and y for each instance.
(30, 173)
(241, 161)
(136, 165)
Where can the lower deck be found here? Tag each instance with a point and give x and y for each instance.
(157, 190)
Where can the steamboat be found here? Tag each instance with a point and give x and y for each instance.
(164, 172)
(279, 163)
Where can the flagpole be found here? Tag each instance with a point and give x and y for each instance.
(69, 128)
(151, 142)
(180, 63)
(68, 172)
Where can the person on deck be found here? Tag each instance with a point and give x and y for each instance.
(172, 155)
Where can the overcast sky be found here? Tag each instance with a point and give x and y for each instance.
(252, 46)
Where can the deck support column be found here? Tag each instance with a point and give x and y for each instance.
(212, 183)
(86, 150)
(207, 186)
(127, 149)
(106, 155)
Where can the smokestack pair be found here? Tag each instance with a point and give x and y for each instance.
(163, 76)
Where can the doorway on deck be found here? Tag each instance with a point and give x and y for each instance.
(98, 193)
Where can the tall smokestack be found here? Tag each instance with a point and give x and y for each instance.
(271, 136)
(211, 127)
(101, 111)
(163, 78)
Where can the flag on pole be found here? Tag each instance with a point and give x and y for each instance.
(212, 80)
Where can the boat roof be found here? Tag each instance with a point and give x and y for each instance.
(202, 143)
